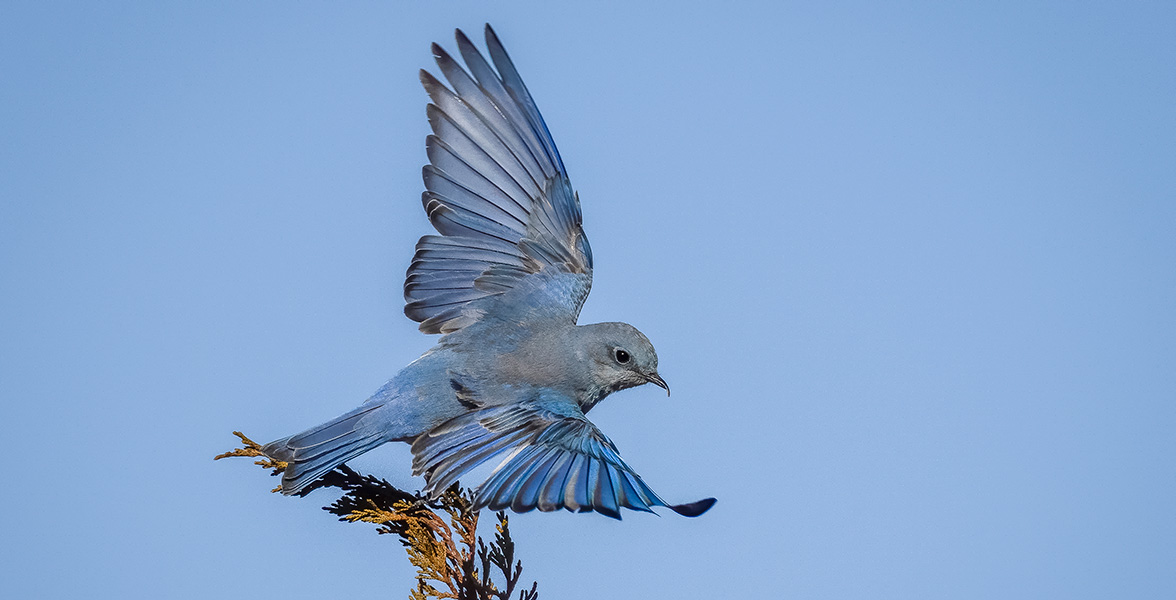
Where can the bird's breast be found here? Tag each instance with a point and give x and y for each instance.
(545, 359)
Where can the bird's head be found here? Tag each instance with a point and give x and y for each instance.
(621, 358)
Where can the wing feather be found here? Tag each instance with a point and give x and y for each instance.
(494, 185)
(496, 92)
(555, 458)
(514, 85)
(482, 122)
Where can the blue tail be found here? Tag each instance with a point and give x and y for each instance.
(315, 452)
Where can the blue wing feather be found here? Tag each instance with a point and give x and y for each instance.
(495, 177)
(559, 460)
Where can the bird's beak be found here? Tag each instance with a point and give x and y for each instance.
(656, 379)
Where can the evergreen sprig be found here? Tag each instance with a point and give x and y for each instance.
(451, 560)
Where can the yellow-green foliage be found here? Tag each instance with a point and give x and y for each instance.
(451, 560)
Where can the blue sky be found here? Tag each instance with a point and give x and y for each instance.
(910, 271)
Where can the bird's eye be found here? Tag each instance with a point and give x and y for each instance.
(621, 355)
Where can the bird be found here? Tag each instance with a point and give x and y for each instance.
(513, 375)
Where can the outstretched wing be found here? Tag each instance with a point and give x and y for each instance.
(496, 191)
(557, 459)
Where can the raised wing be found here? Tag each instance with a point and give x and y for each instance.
(496, 191)
(557, 459)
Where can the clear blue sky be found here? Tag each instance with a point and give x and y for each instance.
(911, 273)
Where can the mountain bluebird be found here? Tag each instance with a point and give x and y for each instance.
(513, 375)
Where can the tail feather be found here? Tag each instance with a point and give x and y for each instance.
(315, 452)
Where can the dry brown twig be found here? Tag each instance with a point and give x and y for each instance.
(451, 560)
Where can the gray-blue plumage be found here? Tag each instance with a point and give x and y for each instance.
(513, 375)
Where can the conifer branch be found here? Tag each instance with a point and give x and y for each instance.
(451, 560)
